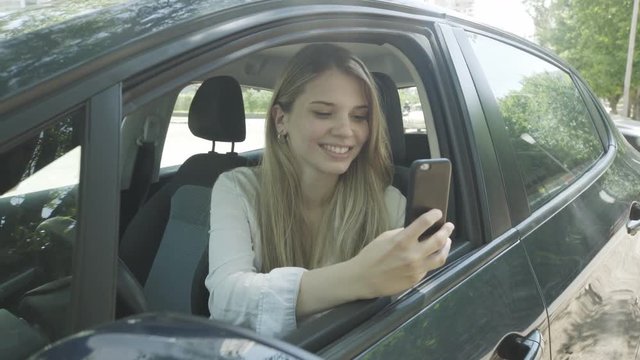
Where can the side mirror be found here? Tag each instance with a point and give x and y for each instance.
(170, 336)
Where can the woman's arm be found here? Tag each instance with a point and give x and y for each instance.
(391, 263)
(238, 294)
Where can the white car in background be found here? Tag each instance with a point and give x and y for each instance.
(414, 119)
(629, 128)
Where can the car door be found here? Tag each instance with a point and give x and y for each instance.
(57, 202)
(572, 188)
(486, 302)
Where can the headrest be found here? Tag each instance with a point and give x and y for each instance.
(390, 103)
(217, 111)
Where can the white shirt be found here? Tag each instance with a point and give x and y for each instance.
(239, 294)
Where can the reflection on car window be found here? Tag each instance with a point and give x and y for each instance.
(181, 144)
(38, 208)
(550, 129)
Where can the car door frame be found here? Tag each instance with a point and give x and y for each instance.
(93, 288)
(527, 221)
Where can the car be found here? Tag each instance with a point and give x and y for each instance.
(629, 128)
(116, 119)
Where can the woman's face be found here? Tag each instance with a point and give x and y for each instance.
(327, 125)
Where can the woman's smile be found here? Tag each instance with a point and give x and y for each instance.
(336, 149)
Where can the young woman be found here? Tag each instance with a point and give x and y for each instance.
(309, 228)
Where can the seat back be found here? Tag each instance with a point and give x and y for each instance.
(185, 239)
(390, 102)
(417, 147)
(216, 114)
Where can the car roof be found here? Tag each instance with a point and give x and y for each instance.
(31, 57)
(111, 30)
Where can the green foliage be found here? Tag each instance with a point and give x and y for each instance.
(256, 101)
(592, 35)
(549, 109)
(409, 96)
(551, 132)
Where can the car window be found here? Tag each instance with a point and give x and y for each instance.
(38, 211)
(412, 115)
(547, 121)
(181, 144)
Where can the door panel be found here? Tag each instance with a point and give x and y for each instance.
(588, 267)
(470, 320)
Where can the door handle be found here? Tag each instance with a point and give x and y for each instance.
(633, 224)
(518, 347)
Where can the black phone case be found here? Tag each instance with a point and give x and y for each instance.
(429, 183)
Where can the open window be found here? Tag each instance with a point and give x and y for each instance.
(402, 59)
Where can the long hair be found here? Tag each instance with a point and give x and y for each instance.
(356, 212)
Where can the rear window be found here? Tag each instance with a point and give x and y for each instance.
(181, 144)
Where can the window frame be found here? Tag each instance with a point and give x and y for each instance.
(410, 34)
(94, 252)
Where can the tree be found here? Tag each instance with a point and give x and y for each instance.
(592, 35)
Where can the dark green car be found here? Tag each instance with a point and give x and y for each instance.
(116, 118)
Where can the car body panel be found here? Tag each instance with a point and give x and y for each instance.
(472, 319)
(588, 267)
(578, 246)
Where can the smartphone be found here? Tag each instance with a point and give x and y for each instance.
(428, 189)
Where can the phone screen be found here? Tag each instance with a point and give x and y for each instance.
(429, 181)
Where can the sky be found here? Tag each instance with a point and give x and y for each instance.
(509, 15)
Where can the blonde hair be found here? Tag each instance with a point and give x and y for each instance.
(356, 212)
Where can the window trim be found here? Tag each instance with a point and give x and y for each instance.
(512, 180)
(95, 253)
(492, 194)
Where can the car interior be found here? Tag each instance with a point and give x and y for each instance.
(165, 204)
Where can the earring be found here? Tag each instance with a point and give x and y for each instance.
(282, 137)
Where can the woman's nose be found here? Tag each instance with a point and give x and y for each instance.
(343, 126)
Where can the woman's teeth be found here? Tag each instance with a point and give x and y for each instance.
(336, 149)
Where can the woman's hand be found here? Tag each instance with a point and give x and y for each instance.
(391, 263)
(396, 260)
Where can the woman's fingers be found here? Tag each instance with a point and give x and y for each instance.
(421, 224)
(438, 258)
(438, 240)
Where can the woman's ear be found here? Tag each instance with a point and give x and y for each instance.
(279, 117)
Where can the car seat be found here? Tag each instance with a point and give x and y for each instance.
(216, 114)
(390, 103)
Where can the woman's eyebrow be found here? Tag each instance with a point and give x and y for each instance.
(322, 103)
(327, 103)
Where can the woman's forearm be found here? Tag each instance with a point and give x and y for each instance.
(324, 288)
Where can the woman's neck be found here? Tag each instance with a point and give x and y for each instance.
(317, 191)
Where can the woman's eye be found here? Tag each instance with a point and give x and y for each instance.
(361, 117)
(322, 114)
